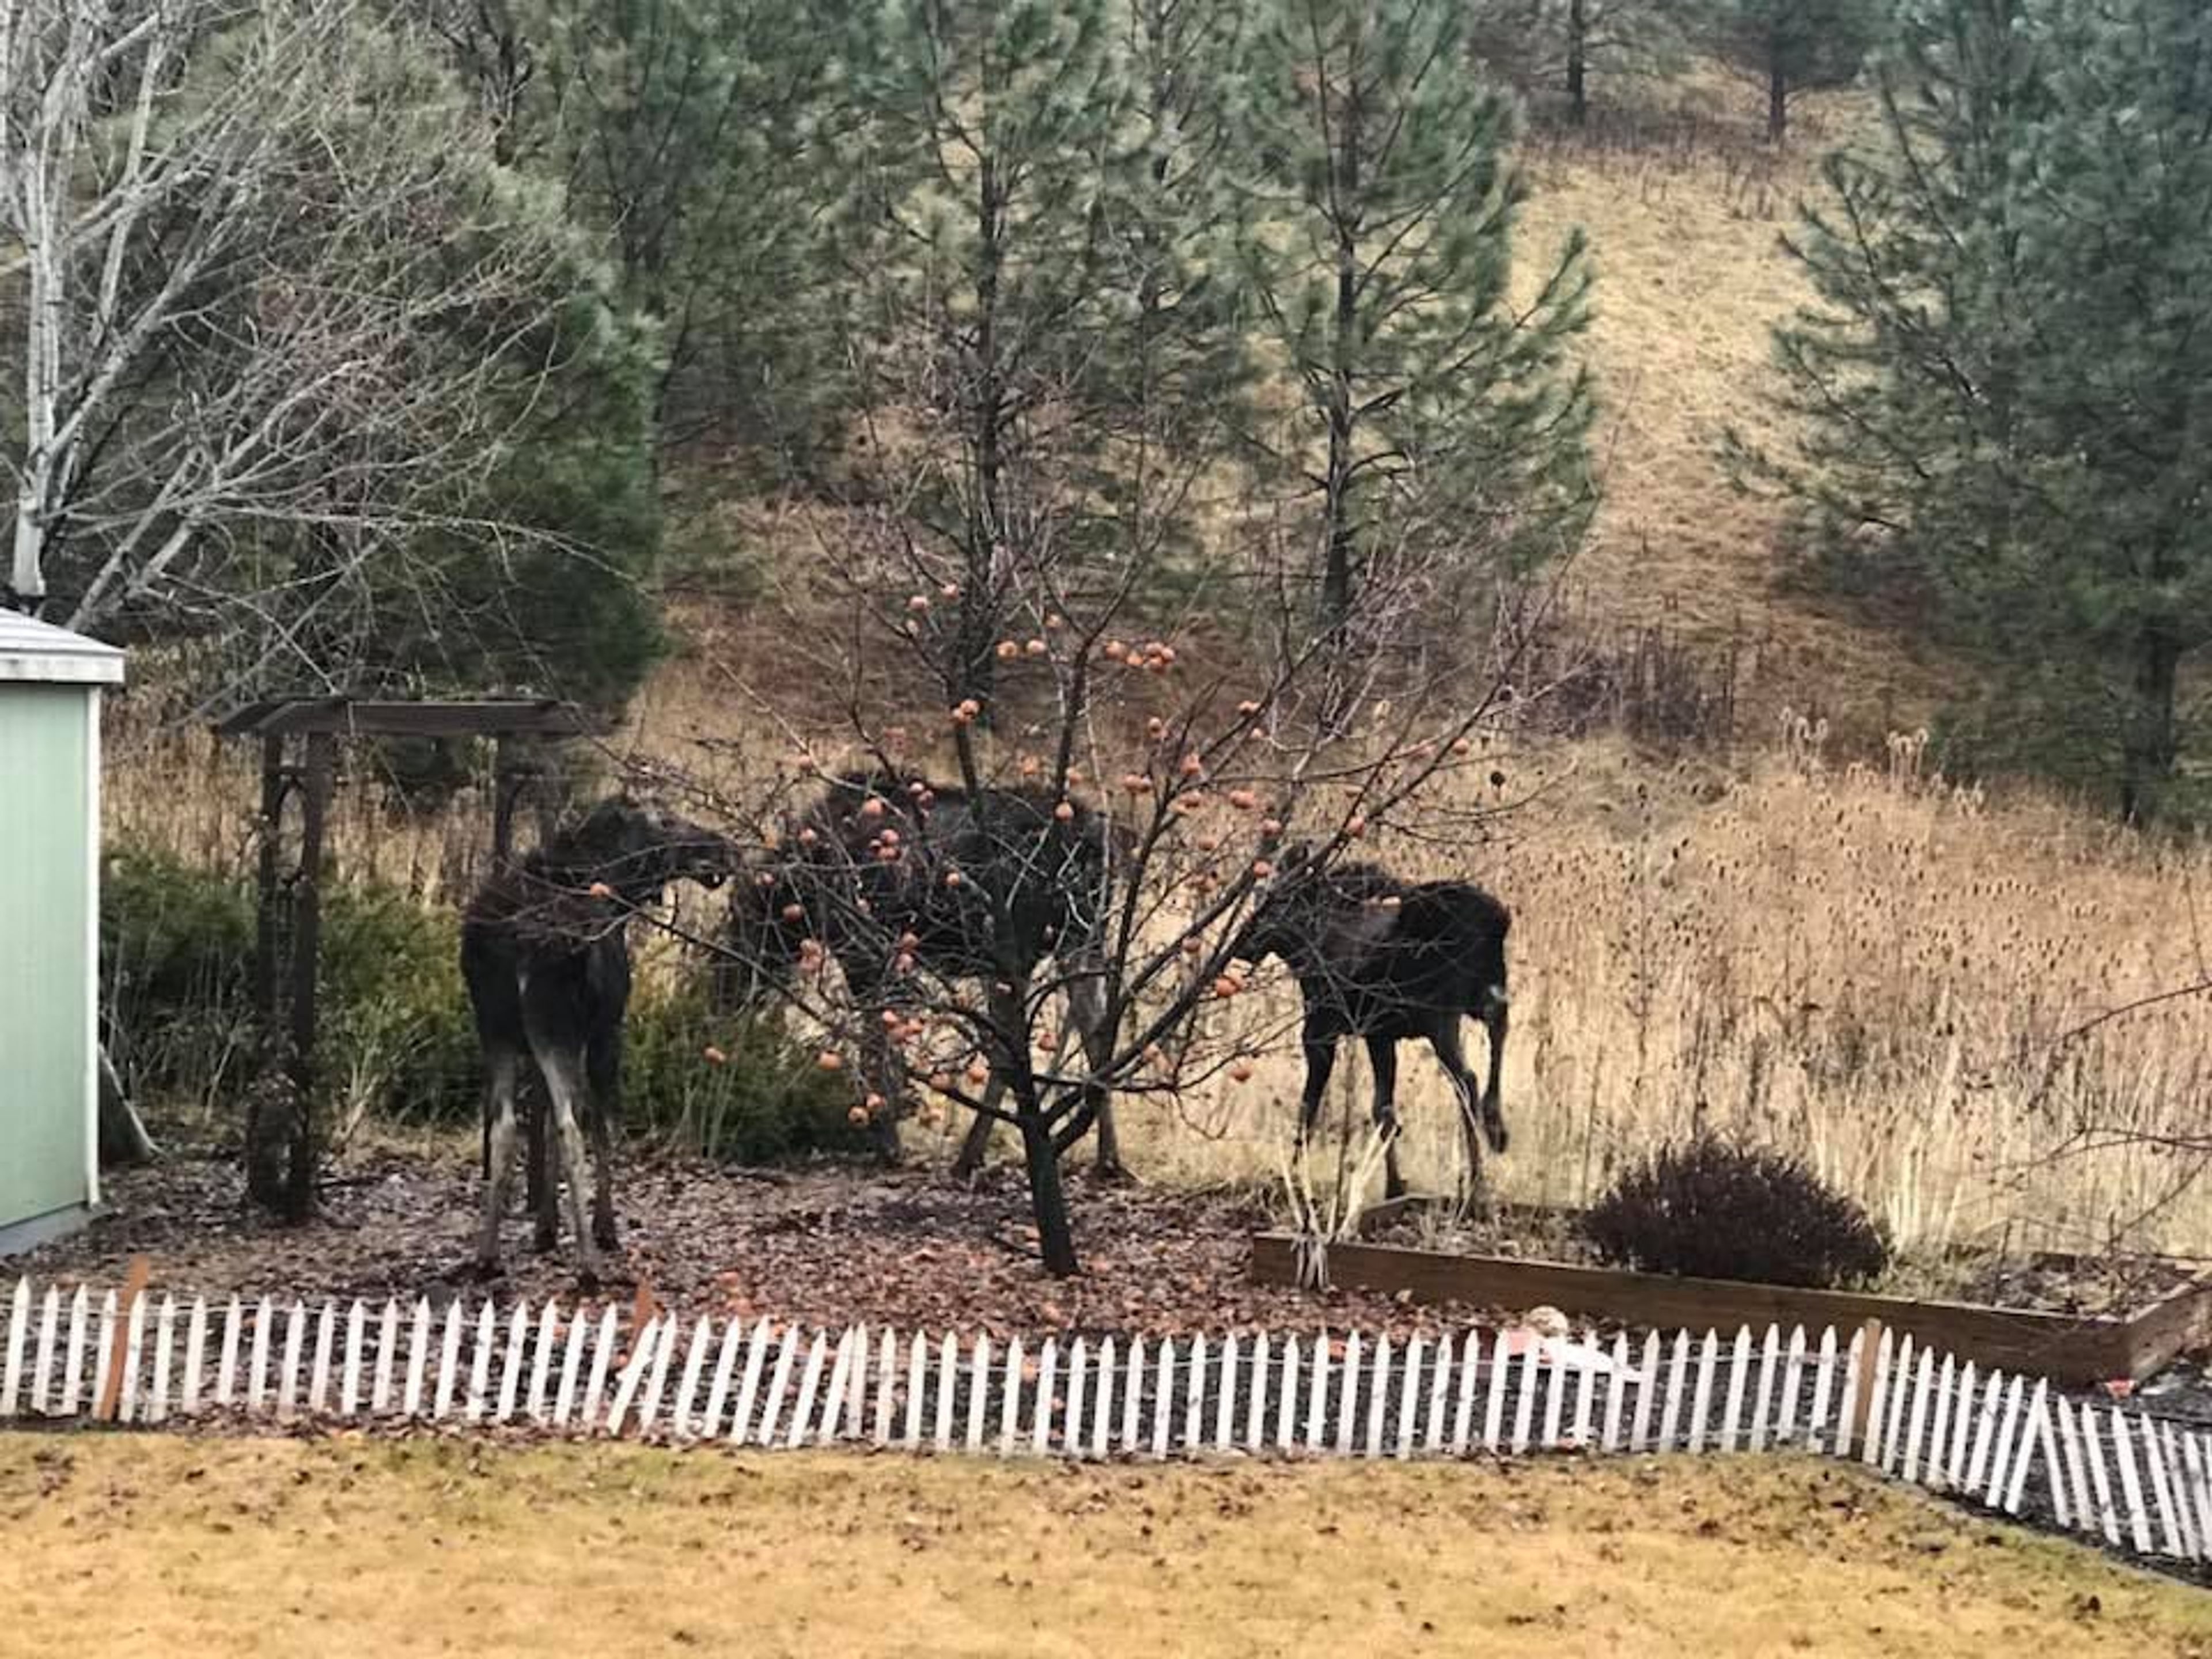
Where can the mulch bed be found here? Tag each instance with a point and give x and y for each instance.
(826, 1246)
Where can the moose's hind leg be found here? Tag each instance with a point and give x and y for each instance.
(499, 1066)
(1444, 1039)
(1382, 1058)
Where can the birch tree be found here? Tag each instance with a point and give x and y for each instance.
(283, 323)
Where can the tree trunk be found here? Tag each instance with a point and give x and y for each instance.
(986, 521)
(1577, 45)
(1778, 95)
(123, 1137)
(2153, 744)
(1047, 1196)
(1340, 550)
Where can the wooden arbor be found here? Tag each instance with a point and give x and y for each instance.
(280, 1125)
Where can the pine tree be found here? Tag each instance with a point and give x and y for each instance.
(2002, 392)
(1378, 246)
(1794, 45)
(1559, 46)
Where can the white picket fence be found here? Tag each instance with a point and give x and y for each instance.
(1995, 1438)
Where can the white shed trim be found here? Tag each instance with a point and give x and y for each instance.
(38, 652)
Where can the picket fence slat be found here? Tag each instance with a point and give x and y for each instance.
(1133, 1396)
(1528, 1385)
(856, 1394)
(1348, 1395)
(1255, 1406)
(1793, 1375)
(387, 1351)
(749, 1388)
(1224, 1412)
(1378, 1393)
(2038, 1417)
(1164, 1397)
(643, 1342)
(1102, 1410)
(948, 1371)
(1195, 1394)
(1432, 1438)
(1555, 1397)
(810, 1384)
(1639, 1432)
(606, 1344)
(572, 1366)
(2132, 1494)
(1770, 1360)
(42, 1370)
(19, 1338)
(681, 1423)
(2200, 1486)
(2002, 1446)
(133, 1350)
(1047, 1379)
(288, 1380)
(979, 1390)
(1071, 1428)
(2177, 1484)
(417, 1358)
(484, 1343)
(510, 1369)
(886, 1384)
(1702, 1399)
(1739, 1369)
(1493, 1404)
(319, 1373)
(188, 1399)
(165, 1355)
(1936, 1456)
(350, 1371)
(1616, 1388)
(1962, 1428)
(1470, 1372)
(2072, 1476)
(1923, 1385)
(2161, 1487)
(1977, 1461)
(2107, 1511)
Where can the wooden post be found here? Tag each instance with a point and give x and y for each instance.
(307, 941)
(118, 1345)
(1863, 1390)
(265, 1173)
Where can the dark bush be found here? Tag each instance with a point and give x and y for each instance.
(1714, 1210)
(764, 1102)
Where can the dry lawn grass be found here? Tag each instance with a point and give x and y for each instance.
(131, 1545)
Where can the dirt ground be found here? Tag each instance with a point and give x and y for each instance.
(830, 1247)
(125, 1545)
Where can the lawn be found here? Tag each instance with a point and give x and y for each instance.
(145, 1544)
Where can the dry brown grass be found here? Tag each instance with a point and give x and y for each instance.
(1867, 968)
(1691, 275)
(126, 1545)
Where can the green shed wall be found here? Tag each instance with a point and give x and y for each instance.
(48, 894)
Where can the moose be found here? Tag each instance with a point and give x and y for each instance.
(545, 955)
(890, 874)
(1387, 960)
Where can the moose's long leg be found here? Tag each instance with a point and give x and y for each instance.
(1444, 1039)
(563, 1067)
(1086, 1009)
(1320, 1064)
(500, 1065)
(1382, 1057)
(541, 1197)
(603, 1061)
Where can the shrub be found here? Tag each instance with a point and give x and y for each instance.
(764, 1102)
(1718, 1211)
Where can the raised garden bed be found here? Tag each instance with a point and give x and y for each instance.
(2171, 1314)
